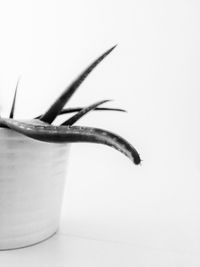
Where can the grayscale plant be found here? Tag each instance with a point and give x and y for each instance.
(41, 128)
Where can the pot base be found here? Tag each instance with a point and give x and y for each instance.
(20, 245)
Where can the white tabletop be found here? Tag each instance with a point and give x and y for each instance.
(65, 250)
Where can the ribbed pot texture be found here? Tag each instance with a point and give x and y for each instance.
(32, 179)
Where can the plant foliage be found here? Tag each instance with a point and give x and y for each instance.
(41, 127)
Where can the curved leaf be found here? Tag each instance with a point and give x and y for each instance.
(73, 134)
(83, 112)
(57, 106)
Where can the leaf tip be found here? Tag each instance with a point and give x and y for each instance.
(137, 160)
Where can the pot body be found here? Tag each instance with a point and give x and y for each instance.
(32, 179)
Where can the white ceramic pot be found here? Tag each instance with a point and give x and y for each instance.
(32, 178)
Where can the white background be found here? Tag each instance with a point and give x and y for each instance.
(115, 213)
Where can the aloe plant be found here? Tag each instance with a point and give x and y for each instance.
(42, 129)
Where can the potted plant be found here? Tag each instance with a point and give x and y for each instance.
(33, 163)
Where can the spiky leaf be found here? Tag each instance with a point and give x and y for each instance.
(14, 101)
(57, 106)
(77, 109)
(83, 112)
